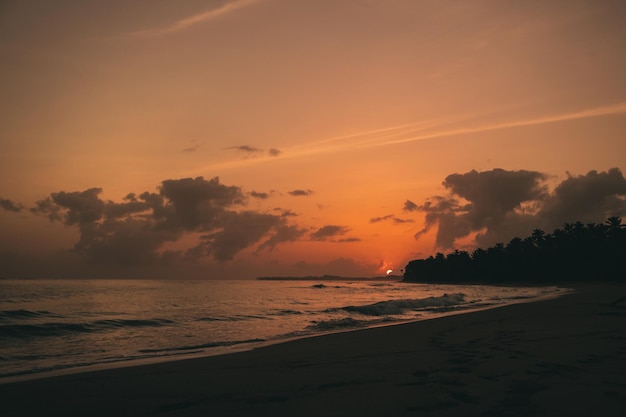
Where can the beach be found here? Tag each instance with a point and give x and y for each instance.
(564, 356)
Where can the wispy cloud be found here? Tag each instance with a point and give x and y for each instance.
(191, 149)
(253, 151)
(434, 129)
(196, 19)
(619, 108)
(429, 129)
(245, 148)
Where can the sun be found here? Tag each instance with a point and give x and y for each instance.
(389, 271)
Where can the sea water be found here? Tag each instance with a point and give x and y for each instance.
(51, 325)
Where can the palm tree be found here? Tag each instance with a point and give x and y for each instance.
(614, 224)
(538, 237)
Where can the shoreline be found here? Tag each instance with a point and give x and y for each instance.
(260, 344)
(564, 356)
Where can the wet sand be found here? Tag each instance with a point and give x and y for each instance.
(565, 356)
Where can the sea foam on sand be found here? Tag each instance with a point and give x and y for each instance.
(565, 356)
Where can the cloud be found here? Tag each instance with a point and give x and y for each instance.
(126, 242)
(133, 232)
(251, 151)
(494, 193)
(239, 231)
(300, 193)
(498, 205)
(348, 240)
(442, 128)
(10, 205)
(80, 207)
(198, 204)
(409, 206)
(618, 108)
(285, 213)
(380, 219)
(245, 148)
(391, 217)
(261, 196)
(588, 198)
(398, 220)
(329, 231)
(197, 19)
(283, 233)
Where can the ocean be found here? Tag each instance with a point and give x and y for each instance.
(48, 326)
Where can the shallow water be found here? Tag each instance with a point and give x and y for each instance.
(48, 325)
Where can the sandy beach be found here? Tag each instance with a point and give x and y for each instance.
(565, 356)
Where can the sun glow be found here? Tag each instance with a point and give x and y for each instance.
(389, 271)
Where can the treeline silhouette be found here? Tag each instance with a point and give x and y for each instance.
(576, 252)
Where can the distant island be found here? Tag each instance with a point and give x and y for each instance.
(577, 252)
(332, 278)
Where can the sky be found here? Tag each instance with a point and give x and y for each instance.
(234, 139)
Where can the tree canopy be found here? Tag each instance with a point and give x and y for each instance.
(575, 252)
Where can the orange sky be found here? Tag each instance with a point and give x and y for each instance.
(359, 105)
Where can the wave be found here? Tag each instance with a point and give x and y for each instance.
(234, 318)
(397, 307)
(345, 323)
(286, 312)
(24, 314)
(201, 346)
(21, 331)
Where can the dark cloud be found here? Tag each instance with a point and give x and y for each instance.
(587, 198)
(117, 210)
(300, 193)
(410, 206)
(191, 149)
(348, 240)
(391, 217)
(328, 232)
(10, 205)
(133, 231)
(286, 213)
(198, 204)
(48, 207)
(380, 219)
(252, 151)
(79, 207)
(239, 231)
(397, 220)
(126, 242)
(496, 192)
(498, 205)
(261, 196)
(283, 233)
(245, 148)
